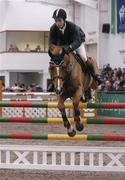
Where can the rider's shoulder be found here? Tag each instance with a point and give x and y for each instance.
(69, 23)
(72, 25)
(53, 27)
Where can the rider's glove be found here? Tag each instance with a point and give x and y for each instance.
(50, 54)
(67, 49)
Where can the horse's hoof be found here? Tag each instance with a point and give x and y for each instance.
(72, 133)
(79, 127)
(83, 100)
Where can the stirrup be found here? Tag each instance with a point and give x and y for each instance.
(98, 79)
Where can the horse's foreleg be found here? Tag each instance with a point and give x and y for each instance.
(71, 132)
(76, 100)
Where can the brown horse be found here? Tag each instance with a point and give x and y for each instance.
(70, 81)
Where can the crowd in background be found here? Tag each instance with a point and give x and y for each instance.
(14, 48)
(113, 79)
(20, 87)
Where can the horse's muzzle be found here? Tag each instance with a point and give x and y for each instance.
(59, 91)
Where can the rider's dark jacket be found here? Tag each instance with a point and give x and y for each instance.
(73, 35)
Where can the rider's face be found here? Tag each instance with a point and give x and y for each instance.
(60, 22)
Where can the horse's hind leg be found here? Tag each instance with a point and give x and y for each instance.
(76, 100)
(71, 132)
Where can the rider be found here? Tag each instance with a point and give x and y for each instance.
(70, 36)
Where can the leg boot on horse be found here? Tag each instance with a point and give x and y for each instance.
(70, 131)
(93, 70)
(76, 100)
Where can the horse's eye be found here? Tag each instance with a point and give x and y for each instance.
(51, 67)
(64, 66)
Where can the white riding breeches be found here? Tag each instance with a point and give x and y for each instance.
(82, 52)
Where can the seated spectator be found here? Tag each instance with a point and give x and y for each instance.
(31, 88)
(50, 87)
(16, 48)
(8, 89)
(38, 48)
(11, 48)
(22, 88)
(39, 89)
(119, 73)
(114, 81)
(15, 87)
(107, 70)
(123, 72)
(27, 48)
(119, 87)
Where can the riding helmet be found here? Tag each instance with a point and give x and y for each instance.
(59, 13)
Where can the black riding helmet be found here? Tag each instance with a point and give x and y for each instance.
(59, 13)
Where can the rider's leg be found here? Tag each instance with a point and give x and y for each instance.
(93, 69)
(82, 52)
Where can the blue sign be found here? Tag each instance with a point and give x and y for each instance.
(120, 16)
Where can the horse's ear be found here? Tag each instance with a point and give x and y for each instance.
(51, 46)
(63, 64)
(52, 64)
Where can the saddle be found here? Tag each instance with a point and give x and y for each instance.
(86, 68)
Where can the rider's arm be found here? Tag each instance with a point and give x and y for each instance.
(52, 37)
(78, 38)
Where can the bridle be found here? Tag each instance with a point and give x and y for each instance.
(58, 77)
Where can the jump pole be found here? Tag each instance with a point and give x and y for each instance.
(44, 120)
(0, 97)
(81, 137)
(67, 105)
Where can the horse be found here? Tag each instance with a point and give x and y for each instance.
(70, 81)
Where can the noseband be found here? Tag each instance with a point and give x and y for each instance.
(57, 77)
(57, 66)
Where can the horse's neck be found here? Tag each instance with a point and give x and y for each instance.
(73, 61)
(66, 59)
(70, 61)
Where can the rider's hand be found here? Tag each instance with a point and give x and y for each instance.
(67, 49)
(50, 54)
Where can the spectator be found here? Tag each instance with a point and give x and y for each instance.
(16, 48)
(114, 79)
(119, 73)
(22, 88)
(123, 72)
(27, 48)
(38, 48)
(11, 48)
(50, 87)
(107, 69)
(15, 87)
(31, 88)
(39, 89)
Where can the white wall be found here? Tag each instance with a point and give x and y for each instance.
(91, 24)
(2, 13)
(2, 19)
(87, 18)
(21, 15)
(2, 41)
(23, 38)
(24, 61)
(26, 78)
(110, 44)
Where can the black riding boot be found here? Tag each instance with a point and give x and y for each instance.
(88, 95)
(96, 77)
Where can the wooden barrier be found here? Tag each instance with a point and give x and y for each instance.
(60, 120)
(79, 137)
